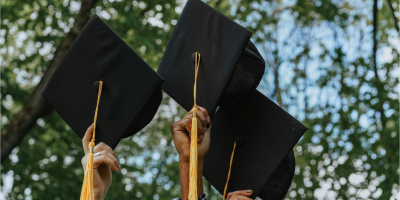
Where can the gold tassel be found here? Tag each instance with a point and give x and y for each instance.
(87, 186)
(193, 142)
(229, 173)
(193, 159)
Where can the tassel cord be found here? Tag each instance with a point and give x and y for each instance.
(193, 142)
(229, 173)
(87, 186)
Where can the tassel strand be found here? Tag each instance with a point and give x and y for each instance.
(87, 186)
(193, 141)
(229, 173)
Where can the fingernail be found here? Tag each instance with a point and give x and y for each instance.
(249, 191)
(208, 119)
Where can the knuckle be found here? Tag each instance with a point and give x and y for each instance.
(174, 125)
(83, 160)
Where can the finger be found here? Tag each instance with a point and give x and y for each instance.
(102, 146)
(179, 126)
(201, 136)
(187, 124)
(205, 112)
(206, 135)
(239, 197)
(199, 128)
(240, 192)
(86, 139)
(202, 117)
(84, 162)
(103, 159)
(188, 116)
(111, 156)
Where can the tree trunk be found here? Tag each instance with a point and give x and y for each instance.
(36, 107)
(277, 91)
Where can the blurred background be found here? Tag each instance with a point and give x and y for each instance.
(333, 64)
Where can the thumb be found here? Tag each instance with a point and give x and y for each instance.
(86, 139)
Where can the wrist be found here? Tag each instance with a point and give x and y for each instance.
(186, 159)
(99, 196)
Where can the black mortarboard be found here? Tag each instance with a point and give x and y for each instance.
(131, 91)
(230, 65)
(263, 159)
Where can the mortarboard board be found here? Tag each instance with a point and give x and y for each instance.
(230, 64)
(263, 158)
(131, 92)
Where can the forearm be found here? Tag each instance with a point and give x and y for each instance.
(99, 194)
(200, 189)
(99, 197)
(184, 174)
(184, 166)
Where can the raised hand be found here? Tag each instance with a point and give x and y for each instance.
(102, 165)
(181, 133)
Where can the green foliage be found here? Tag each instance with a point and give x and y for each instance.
(319, 68)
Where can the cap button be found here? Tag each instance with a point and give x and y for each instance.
(96, 86)
(239, 140)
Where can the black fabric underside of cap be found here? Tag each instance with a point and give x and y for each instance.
(279, 182)
(131, 91)
(269, 135)
(247, 75)
(221, 43)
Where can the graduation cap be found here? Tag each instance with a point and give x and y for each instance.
(251, 148)
(102, 76)
(215, 54)
(229, 67)
(131, 93)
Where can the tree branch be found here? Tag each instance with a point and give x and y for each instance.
(396, 23)
(375, 48)
(375, 24)
(36, 107)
